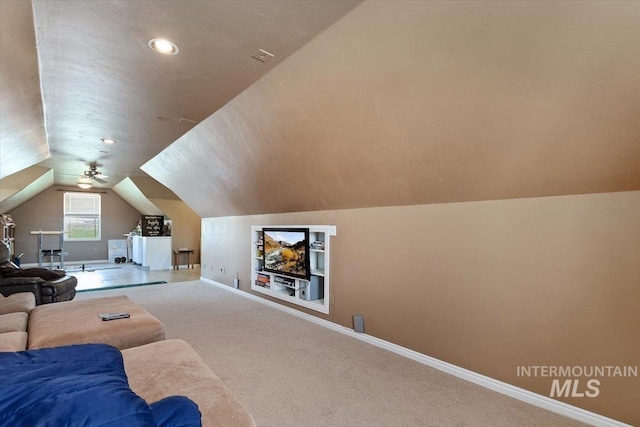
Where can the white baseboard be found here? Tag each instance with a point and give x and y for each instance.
(527, 396)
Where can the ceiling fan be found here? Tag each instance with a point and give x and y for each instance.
(93, 174)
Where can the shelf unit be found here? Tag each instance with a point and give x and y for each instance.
(312, 294)
(9, 233)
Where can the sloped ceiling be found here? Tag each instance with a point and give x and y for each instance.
(149, 197)
(403, 103)
(153, 189)
(21, 186)
(101, 80)
(23, 141)
(130, 193)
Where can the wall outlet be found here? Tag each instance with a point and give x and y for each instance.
(330, 299)
(358, 323)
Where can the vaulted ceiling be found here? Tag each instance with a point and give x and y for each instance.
(75, 72)
(378, 103)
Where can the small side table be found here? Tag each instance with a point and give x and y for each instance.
(176, 257)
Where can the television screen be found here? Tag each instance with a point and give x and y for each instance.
(286, 251)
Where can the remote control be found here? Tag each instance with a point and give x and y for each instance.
(114, 316)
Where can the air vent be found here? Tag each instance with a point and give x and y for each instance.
(187, 120)
(262, 55)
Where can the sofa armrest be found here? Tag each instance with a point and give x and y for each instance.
(14, 285)
(14, 281)
(172, 367)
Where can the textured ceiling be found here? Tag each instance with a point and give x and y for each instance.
(22, 136)
(22, 186)
(404, 103)
(374, 104)
(99, 79)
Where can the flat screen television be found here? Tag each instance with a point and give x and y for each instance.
(286, 251)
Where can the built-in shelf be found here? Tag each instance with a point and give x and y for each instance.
(8, 234)
(312, 293)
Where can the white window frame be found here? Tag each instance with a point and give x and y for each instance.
(87, 216)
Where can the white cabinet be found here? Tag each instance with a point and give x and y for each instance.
(136, 249)
(312, 293)
(153, 253)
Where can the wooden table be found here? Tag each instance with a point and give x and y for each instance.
(176, 257)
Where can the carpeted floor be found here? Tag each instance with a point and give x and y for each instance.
(291, 372)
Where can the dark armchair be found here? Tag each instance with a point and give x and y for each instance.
(47, 285)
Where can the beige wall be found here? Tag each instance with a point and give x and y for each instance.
(185, 225)
(487, 286)
(45, 212)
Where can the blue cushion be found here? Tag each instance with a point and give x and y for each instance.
(82, 385)
(176, 411)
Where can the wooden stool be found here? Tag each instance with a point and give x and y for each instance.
(176, 257)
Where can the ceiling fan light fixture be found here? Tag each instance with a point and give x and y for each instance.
(108, 141)
(85, 182)
(163, 46)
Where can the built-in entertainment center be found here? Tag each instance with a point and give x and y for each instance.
(291, 263)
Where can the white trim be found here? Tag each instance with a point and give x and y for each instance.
(527, 396)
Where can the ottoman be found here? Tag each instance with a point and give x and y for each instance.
(77, 322)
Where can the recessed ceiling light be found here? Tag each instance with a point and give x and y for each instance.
(163, 46)
(262, 55)
(108, 141)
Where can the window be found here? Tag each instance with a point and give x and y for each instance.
(81, 216)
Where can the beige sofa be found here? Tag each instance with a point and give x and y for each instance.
(155, 367)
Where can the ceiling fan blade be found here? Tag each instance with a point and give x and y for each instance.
(100, 180)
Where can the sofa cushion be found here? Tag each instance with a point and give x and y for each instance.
(13, 322)
(13, 341)
(19, 302)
